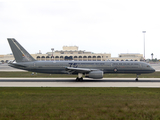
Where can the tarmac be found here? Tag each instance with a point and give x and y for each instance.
(70, 82)
(6, 68)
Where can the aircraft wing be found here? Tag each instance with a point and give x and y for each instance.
(79, 70)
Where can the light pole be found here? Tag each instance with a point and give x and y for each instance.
(52, 52)
(152, 56)
(144, 43)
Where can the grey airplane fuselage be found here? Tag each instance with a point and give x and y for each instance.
(59, 67)
(91, 69)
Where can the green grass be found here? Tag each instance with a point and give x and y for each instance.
(79, 103)
(40, 75)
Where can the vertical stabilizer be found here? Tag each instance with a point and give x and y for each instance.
(20, 54)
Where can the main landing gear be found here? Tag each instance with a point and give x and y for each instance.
(79, 78)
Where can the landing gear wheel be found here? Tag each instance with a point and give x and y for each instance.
(137, 77)
(79, 79)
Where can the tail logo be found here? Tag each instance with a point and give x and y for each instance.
(26, 58)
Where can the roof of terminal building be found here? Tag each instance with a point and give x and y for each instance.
(129, 53)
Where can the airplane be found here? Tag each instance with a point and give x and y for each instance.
(89, 69)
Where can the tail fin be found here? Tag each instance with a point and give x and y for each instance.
(20, 54)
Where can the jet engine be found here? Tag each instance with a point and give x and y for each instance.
(95, 75)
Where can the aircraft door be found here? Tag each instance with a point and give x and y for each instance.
(34, 65)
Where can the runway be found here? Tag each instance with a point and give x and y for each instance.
(70, 82)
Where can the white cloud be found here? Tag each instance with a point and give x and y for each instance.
(98, 26)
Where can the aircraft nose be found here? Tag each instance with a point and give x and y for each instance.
(152, 70)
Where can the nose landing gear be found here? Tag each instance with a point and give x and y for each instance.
(137, 77)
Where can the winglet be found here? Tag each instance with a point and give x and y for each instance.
(20, 54)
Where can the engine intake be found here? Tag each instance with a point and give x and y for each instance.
(95, 75)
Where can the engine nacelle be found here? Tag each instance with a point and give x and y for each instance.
(95, 75)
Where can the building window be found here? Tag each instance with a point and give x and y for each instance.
(68, 58)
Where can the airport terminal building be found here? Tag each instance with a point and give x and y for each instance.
(72, 53)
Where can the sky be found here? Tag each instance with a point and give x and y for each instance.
(99, 26)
